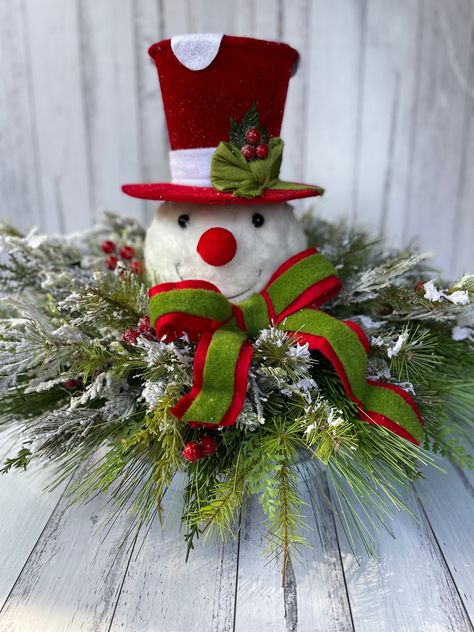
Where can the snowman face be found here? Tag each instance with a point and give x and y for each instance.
(237, 248)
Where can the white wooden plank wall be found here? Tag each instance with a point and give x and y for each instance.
(380, 113)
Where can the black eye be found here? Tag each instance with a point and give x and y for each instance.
(258, 220)
(183, 220)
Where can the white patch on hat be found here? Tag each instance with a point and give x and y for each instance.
(196, 51)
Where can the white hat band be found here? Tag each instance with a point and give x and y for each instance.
(191, 167)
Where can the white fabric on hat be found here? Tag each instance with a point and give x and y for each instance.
(196, 51)
(191, 166)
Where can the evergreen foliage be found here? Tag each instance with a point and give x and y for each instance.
(70, 388)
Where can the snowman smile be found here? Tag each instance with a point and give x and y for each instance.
(248, 289)
(176, 267)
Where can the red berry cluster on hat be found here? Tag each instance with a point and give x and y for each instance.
(249, 136)
(253, 148)
(126, 254)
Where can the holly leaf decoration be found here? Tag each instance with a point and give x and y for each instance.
(238, 130)
(264, 137)
(235, 133)
(231, 172)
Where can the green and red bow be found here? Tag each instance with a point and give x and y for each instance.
(289, 301)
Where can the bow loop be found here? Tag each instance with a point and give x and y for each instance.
(192, 307)
(289, 301)
(304, 279)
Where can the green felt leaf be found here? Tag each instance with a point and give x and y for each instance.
(275, 157)
(249, 190)
(261, 172)
(282, 185)
(230, 171)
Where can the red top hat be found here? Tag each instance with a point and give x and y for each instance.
(206, 80)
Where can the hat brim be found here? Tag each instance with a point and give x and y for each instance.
(168, 192)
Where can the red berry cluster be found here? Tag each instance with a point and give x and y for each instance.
(196, 450)
(130, 336)
(254, 149)
(71, 384)
(126, 253)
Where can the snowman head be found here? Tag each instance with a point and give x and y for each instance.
(236, 248)
(224, 216)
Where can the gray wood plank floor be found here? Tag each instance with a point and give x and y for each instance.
(58, 573)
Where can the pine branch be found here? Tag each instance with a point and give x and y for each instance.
(63, 323)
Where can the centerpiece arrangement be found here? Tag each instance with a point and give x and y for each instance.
(231, 341)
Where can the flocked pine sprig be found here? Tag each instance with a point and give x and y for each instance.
(281, 499)
(81, 371)
(110, 300)
(265, 464)
(369, 484)
(348, 250)
(281, 374)
(369, 282)
(31, 259)
(282, 368)
(412, 354)
(326, 430)
(277, 348)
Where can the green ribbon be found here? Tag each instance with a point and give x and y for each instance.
(290, 302)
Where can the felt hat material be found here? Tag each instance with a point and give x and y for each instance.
(205, 80)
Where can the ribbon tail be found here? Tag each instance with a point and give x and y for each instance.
(382, 397)
(345, 346)
(221, 367)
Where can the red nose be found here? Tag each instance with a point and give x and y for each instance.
(217, 246)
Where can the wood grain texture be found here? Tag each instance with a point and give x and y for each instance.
(149, 26)
(462, 236)
(258, 582)
(387, 102)
(334, 70)
(439, 127)
(314, 597)
(59, 114)
(163, 593)
(20, 191)
(110, 90)
(447, 499)
(295, 28)
(25, 508)
(59, 573)
(177, 16)
(408, 586)
(73, 575)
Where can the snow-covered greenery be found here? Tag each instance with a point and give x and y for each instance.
(72, 382)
